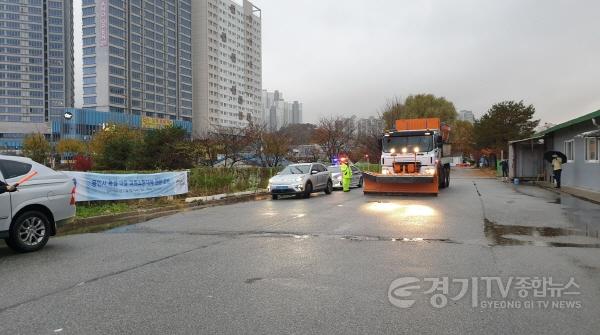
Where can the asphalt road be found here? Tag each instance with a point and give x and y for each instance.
(322, 265)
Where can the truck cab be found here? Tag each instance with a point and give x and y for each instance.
(414, 159)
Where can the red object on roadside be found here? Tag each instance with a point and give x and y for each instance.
(72, 202)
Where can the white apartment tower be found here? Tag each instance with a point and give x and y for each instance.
(226, 40)
(278, 113)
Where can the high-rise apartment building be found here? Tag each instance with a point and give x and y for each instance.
(137, 57)
(36, 66)
(296, 117)
(466, 116)
(227, 65)
(370, 126)
(279, 113)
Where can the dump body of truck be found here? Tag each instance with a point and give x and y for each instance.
(415, 159)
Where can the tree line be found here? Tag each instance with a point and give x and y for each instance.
(119, 147)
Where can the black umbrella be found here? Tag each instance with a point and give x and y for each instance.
(549, 156)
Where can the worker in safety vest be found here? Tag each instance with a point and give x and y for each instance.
(557, 168)
(346, 174)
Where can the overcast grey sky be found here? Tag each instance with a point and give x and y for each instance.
(348, 57)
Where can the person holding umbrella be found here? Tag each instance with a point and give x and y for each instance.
(557, 168)
(557, 159)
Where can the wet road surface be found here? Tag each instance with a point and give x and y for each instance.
(322, 265)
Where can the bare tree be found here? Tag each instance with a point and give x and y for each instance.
(232, 142)
(392, 110)
(204, 151)
(335, 135)
(271, 148)
(368, 144)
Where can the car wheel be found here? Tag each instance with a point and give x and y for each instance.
(329, 188)
(360, 182)
(274, 196)
(308, 190)
(30, 232)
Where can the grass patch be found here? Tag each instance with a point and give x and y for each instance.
(98, 209)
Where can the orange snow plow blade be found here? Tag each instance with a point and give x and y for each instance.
(375, 183)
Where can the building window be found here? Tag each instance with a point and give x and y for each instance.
(591, 149)
(569, 152)
(88, 11)
(89, 100)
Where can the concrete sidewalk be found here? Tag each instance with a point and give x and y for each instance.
(576, 192)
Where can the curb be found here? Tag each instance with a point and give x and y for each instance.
(143, 215)
(556, 191)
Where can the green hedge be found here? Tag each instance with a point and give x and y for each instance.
(376, 168)
(209, 181)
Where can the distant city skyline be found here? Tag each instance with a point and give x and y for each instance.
(453, 53)
(279, 113)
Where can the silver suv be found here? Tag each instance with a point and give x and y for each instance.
(30, 214)
(301, 180)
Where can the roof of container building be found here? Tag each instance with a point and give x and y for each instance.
(563, 125)
(573, 122)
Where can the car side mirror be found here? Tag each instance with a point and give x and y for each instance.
(314, 172)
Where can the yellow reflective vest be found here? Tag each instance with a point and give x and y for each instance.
(346, 171)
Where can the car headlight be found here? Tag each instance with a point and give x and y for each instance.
(299, 179)
(338, 178)
(271, 181)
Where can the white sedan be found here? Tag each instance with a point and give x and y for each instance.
(336, 176)
(31, 212)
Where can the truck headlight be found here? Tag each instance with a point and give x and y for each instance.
(429, 170)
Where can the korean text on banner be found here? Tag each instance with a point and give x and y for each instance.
(98, 186)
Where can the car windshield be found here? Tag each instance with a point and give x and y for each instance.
(334, 169)
(424, 143)
(295, 169)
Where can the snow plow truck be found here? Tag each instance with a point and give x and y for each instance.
(415, 159)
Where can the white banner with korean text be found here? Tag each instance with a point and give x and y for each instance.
(100, 186)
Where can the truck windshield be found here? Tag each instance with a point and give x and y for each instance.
(424, 143)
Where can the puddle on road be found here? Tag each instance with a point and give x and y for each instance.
(584, 218)
(497, 234)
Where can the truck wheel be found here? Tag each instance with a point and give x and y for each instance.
(30, 232)
(442, 178)
(274, 196)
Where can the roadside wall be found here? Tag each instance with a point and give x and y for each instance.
(579, 173)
